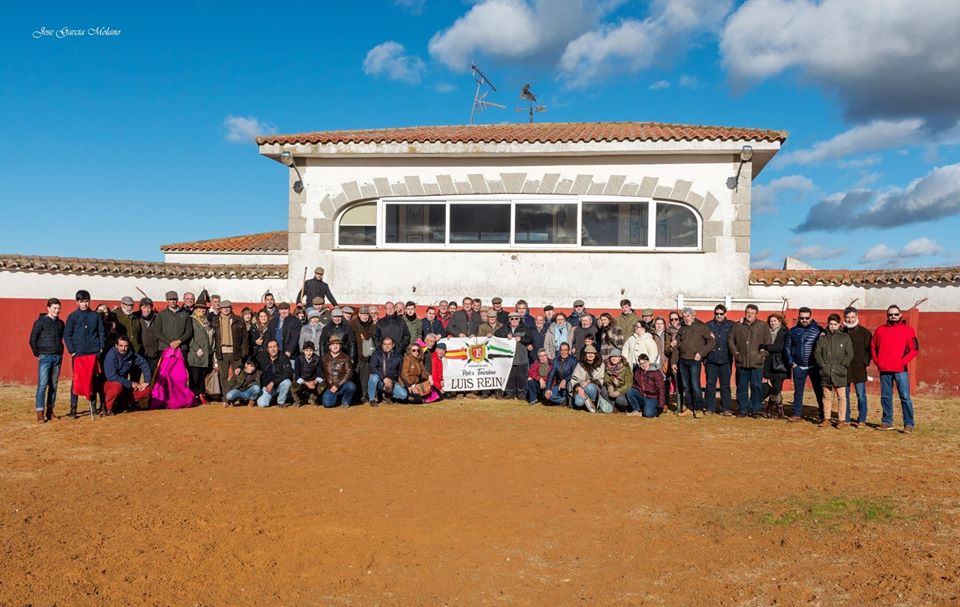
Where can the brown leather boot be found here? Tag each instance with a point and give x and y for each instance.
(41, 418)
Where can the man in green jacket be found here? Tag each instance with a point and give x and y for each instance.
(833, 354)
(173, 326)
(746, 342)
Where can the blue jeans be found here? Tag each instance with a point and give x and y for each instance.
(800, 376)
(902, 379)
(250, 393)
(717, 371)
(559, 396)
(592, 393)
(690, 378)
(861, 389)
(749, 380)
(48, 374)
(533, 391)
(635, 401)
(343, 395)
(279, 391)
(375, 386)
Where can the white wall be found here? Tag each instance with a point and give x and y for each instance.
(43, 285)
(268, 259)
(540, 277)
(944, 298)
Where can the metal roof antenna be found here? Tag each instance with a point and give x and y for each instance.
(479, 99)
(527, 95)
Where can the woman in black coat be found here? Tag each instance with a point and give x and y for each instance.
(774, 366)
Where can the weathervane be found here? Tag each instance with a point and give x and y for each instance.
(479, 99)
(527, 95)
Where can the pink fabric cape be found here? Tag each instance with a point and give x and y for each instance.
(171, 388)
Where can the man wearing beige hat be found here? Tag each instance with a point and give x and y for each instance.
(231, 339)
(364, 326)
(315, 287)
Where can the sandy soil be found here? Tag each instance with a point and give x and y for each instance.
(473, 503)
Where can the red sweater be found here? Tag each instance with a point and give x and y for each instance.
(894, 346)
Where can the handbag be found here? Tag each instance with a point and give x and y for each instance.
(604, 405)
(367, 348)
(211, 383)
(777, 364)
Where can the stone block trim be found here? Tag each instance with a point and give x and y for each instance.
(519, 183)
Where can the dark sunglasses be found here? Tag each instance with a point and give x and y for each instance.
(674, 319)
(894, 315)
(803, 318)
(719, 313)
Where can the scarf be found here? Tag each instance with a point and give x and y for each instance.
(615, 369)
(561, 334)
(851, 325)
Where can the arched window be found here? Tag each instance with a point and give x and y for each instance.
(677, 226)
(358, 226)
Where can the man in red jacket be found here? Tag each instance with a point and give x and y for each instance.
(894, 346)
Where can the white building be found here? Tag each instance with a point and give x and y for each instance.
(525, 210)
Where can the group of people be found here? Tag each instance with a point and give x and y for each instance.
(201, 349)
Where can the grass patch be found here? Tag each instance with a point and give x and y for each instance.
(831, 511)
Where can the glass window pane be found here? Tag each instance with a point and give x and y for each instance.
(614, 224)
(479, 223)
(676, 226)
(356, 236)
(415, 223)
(360, 215)
(546, 224)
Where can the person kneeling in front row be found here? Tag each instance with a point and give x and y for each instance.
(119, 362)
(337, 371)
(243, 385)
(385, 365)
(647, 394)
(276, 375)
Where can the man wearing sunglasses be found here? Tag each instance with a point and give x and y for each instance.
(798, 354)
(894, 345)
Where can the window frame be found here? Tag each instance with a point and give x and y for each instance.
(512, 200)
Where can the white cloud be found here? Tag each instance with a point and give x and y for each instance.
(860, 163)
(689, 82)
(763, 259)
(765, 197)
(818, 251)
(920, 247)
(872, 137)
(936, 195)
(867, 179)
(414, 7)
(516, 30)
(891, 58)
(633, 44)
(244, 129)
(391, 61)
(659, 85)
(443, 87)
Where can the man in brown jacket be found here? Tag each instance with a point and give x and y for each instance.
(745, 342)
(231, 339)
(337, 374)
(694, 342)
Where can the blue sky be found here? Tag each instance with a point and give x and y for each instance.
(116, 144)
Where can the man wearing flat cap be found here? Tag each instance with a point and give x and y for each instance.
(502, 316)
(316, 287)
(127, 323)
(174, 327)
(231, 339)
(338, 327)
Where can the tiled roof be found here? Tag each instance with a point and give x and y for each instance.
(541, 132)
(272, 242)
(123, 267)
(907, 276)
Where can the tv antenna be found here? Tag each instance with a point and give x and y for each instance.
(480, 99)
(527, 95)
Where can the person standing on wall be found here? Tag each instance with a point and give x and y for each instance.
(315, 287)
(748, 341)
(798, 352)
(718, 363)
(46, 342)
(894, 345)
(84, 337)
(862, 339)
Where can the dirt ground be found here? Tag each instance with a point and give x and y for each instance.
(473, 503)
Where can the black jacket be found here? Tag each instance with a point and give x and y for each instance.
(149, 341)
(172, 326)
(348, 341)
(775, 357)
(435, 327)
(46, 337)
(309, 370)
(386, 364)
(526, 338)
(290, 332)
(275, 371)
(316, 288)
(394, 328)
(459, 323)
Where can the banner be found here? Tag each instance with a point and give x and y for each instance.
(477, 363)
